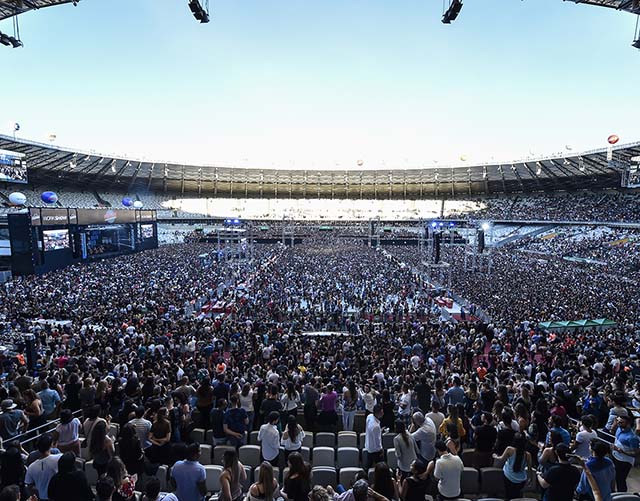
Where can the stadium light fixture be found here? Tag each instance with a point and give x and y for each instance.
(452, 12)
(198, 11)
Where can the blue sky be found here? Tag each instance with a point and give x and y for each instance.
(297, 83)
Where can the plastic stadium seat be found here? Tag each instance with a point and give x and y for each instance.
(114, 430)
(323, 456)
(370, 475)
(532, 499)
(325, 439)
(348, 475)
(198, 435)
(218, 453)
(392, 459)
(161, 474)
(488, 499)
(361, 440)
(213, 473)
(323, 476)
(253, 438)
(249, 455)
(80, 464)
(625, 496)
(306, 453)
(307, 441)
(492, 481)
(348, 457)
(256, 473)
(347, 439)
(387, 440)
(91, 473)
(208, 437)
(470, 483)
(468, 456)
(205, 454)
(249, 480)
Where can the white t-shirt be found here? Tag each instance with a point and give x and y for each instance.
(405, 404)
(583, 441)
(40, 472)
(448, 471)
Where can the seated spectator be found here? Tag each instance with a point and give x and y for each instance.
(123, 482)
(416, 485)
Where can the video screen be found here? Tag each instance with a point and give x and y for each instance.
(55, 240)
(147, 231)
(13, 167)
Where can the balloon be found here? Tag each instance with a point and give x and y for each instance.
(17, 198)
(613, 139)
(137, 204)
(52, 137)
(360, 162)
(127, 202)
(49, 197)
(568, 147)
(463, 158)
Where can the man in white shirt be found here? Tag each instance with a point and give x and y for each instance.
(40, 471)
(270, 438)
(424, 432)
(448, 471)
(373, 437)
(404, 411)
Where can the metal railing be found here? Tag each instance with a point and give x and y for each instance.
(30, 436)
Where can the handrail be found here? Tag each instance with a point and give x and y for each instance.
(29, 435)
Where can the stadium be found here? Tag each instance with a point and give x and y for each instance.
(266, 268)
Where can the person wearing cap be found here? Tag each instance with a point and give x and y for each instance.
(12, 420)
(270, 438)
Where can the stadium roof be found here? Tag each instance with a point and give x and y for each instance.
(52, 167)
(10, 8)
(632, 6)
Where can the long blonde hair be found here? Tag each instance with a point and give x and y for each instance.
(265, 478)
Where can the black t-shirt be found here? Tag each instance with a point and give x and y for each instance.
(485, 437)
(563, 480)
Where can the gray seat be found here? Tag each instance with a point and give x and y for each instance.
(249, 480)
(323, 456)
(91, 473)
(492, 481)
(205, 454)
(348, 457)
(323, 476)
(468, 456)
(325, 439)
(213, 473)
(306, 453)
(249, 455)
(470, 483)
(348, 475)
(208, 437)
(347, 439)
(253, 438)
(218, 453)
(392, 459)
(624, 496)
(307, 441)
(162, 474)
(361, 440)
(198, 435)
(387, 440)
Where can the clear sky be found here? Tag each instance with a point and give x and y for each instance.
(322, 84)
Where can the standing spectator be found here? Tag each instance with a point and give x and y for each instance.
(68, 433)
(292, 437)
(424, 433)
(247, 398)
(384, 482)
(123, 482)
(448, 470)
(455, 395)
(160, 437)
(290, 400)
(270, 438)
(12, 468)
(40, 472)
(50, 400)
(584, 437)
(435, 415)
(311, 398)
(152, 492)
(33, 409)
(142, 426)
(603, 471)
(297, 482)
(404, 405)
(12, 420)
(130, 450)
(485, 438)
(270, 404)
(102, 449)
(217, 422)
(328, 404)
(561, 479)
(236, 422)
(406, 449)
(189, 476)
(516, 464)
(105, 489)
(416, 485)
(232, 477)
(373, 437)
(625, 450)
(349, 401)
(69, 484)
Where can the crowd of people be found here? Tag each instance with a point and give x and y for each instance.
(132, 355)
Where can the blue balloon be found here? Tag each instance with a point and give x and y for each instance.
(49, 197)
(127, 202)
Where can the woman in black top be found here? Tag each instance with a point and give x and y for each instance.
(388, 417)
(69, 484)
(72, 392)
(297, 484)
(384, 483)
(130, 450)
(415, 486)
